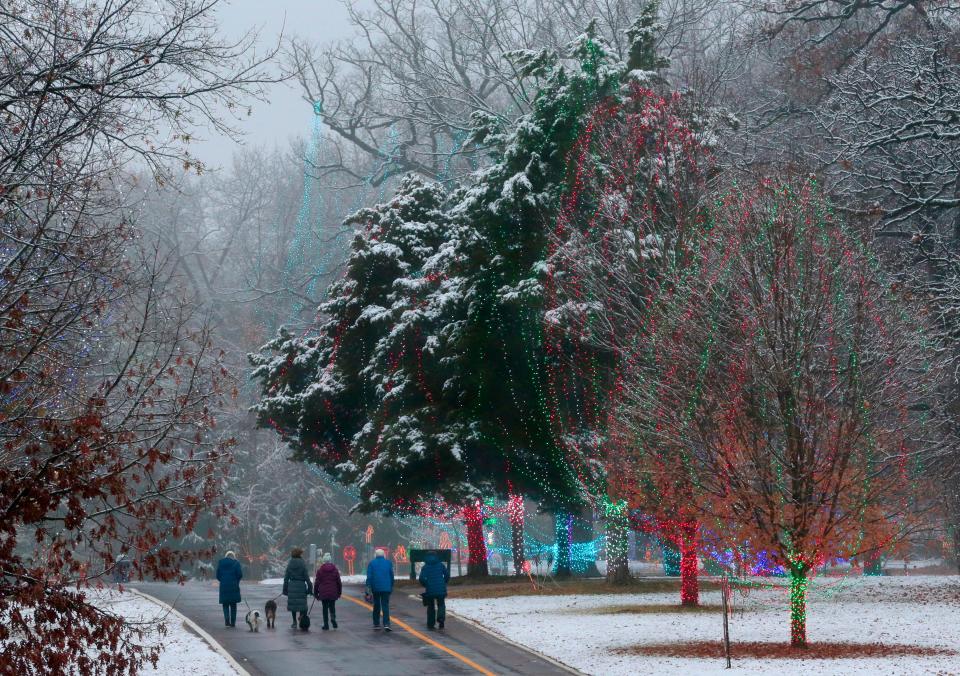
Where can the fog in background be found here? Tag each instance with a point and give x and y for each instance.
(285, 114)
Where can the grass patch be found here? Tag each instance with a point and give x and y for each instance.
(496, 587)
(765, 650)
(646, 609)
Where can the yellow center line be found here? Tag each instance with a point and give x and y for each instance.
(426, 639)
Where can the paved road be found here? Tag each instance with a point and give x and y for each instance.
(355, 648)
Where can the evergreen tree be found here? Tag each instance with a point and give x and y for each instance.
(340, 397)
(499, 347)
(430, 376)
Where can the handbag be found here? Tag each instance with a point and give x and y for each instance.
(305, 618)
(423, 597)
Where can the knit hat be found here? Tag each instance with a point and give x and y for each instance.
(380, 553)
(327, 558)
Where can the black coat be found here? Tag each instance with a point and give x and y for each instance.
(296, 585)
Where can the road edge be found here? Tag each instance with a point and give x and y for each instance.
(501, 637)
(200, 631)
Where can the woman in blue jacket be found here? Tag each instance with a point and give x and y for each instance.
(434, 577)
(229, 574)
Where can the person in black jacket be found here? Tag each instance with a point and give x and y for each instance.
(434, 577)
(297, 586)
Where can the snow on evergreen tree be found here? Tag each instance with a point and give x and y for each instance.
(327, 393)
(636, 193)
(499, 344)
(511, 206)
(430, 374)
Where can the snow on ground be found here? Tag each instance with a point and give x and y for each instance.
(346, 579)
(400, 573)
(636, 567)
(183, 651)
(584, 631)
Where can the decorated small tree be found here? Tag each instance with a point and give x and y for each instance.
(780, 393)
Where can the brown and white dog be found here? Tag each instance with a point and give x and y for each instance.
(253, 620)
(270, 612)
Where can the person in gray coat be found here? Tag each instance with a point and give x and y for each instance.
(296, 585)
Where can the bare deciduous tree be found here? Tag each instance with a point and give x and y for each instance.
(108, 380)
(403, 94)
(789, 387)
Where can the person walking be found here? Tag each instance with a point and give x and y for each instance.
(229, 574)
(296, 585)
(380, 584)
(434, 577)
(327, 588)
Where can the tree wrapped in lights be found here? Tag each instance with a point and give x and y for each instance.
(779, 393)
(636, 195)
(612, 169)
(501, 271)
(515, 514)
(429, 376)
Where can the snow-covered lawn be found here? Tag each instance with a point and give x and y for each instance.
(183, 651)
(586, 632)
(346, 579)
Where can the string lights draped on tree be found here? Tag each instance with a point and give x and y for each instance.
(635, 198)
(780, 393)
(427, 378)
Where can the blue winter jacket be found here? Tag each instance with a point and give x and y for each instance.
(229, 574)
(434, 576)
(380, 575)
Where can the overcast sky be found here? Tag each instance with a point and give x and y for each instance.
(286, 114)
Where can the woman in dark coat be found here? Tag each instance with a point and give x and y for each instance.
(327, 588)
(434, 577)
(229, 574)
(296, 585)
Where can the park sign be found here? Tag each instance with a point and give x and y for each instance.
(420, 555)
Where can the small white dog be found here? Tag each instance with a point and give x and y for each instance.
(253, 620)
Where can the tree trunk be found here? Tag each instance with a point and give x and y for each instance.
(515, 513)
(562, 522)
(798, 608)
(583, 546)
(671, 558)
(689, 586)
(873, 565)
(953, 505)
(618, 567)
(956, 546)
(477, 548)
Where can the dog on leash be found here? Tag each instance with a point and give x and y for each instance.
(270, 612)
(253, 620)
